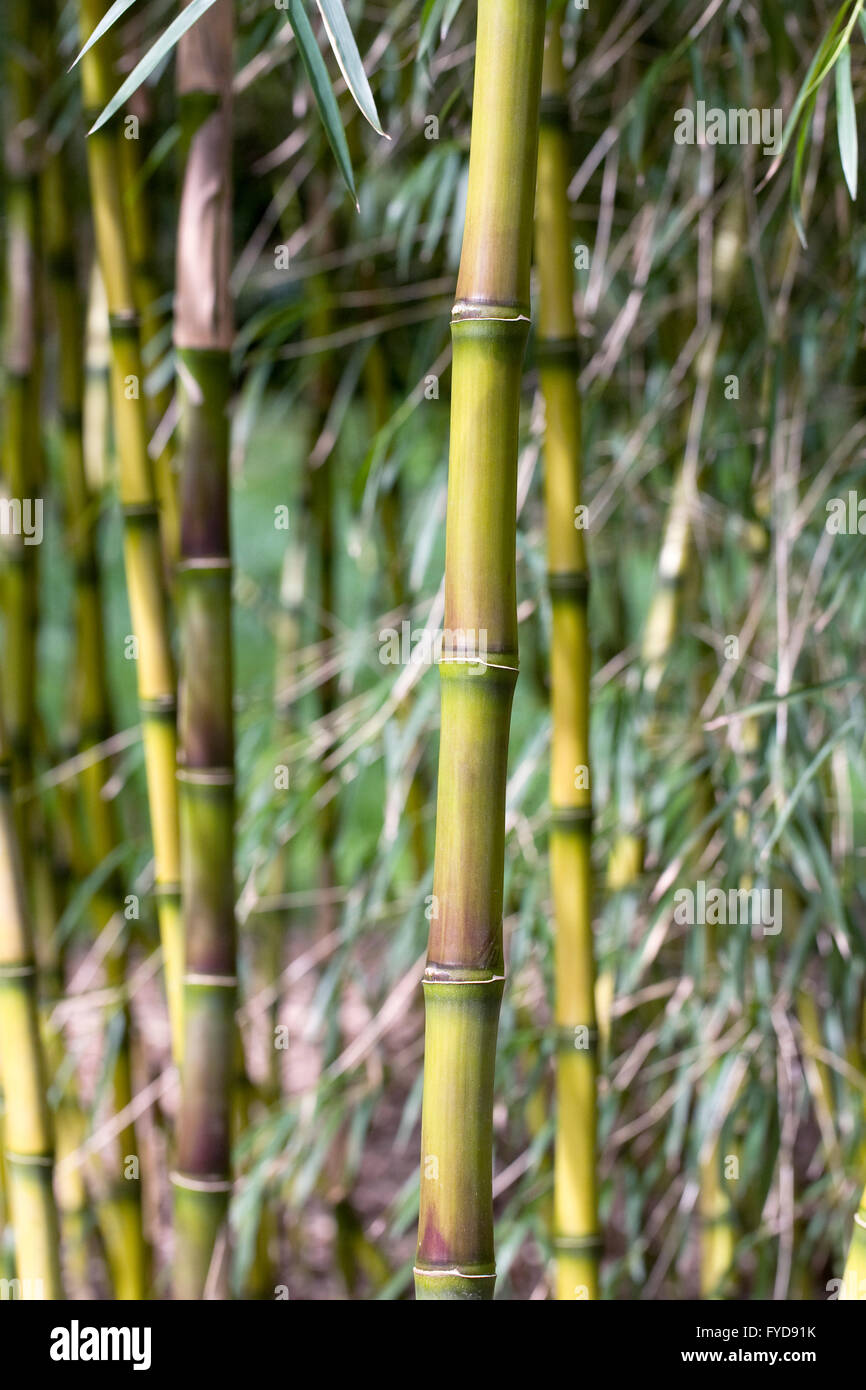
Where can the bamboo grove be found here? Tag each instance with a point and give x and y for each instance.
(432, 764)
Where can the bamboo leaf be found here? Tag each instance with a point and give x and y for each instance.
(821, 868)
(115, 1033)
(803, 781)
(797, 175)
(846, 121)
(442, 197)
(448, 18)
(342, 41)
(155, 158)
(154, 56)
(323, 92)
(822, 64)
(458, 217)
(85, 890)
(117, 9)
(430, 17)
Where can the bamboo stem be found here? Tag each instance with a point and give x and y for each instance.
(152, 322)
(464, 978)
(142, 546)
(21, 439)
(93, 835)
(28, 1143)
(122, 1206)
(203, 337)
(575, 1197)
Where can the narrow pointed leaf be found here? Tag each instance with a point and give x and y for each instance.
(342, 41)
(803, 781)
(154, 56)
(797, 174)
(449, 16)
(430, 17)
(441, 201)
(118, 8)
(834, 43)
(846, 121)
(322, 91)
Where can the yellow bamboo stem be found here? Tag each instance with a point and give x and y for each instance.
(576, 1236)
(142, 544)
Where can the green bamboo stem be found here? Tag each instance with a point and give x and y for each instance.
(718, 1219)
(464, 978)
(76, 1220)
(716, 1214)
(121, 1207)
(89, 705)
(21, 437)
(28, 1143)
(26, 883)
(152, 322)
(22, 462)
(575, 1198)
(142, 546)
(19, 452)
(203, 337)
